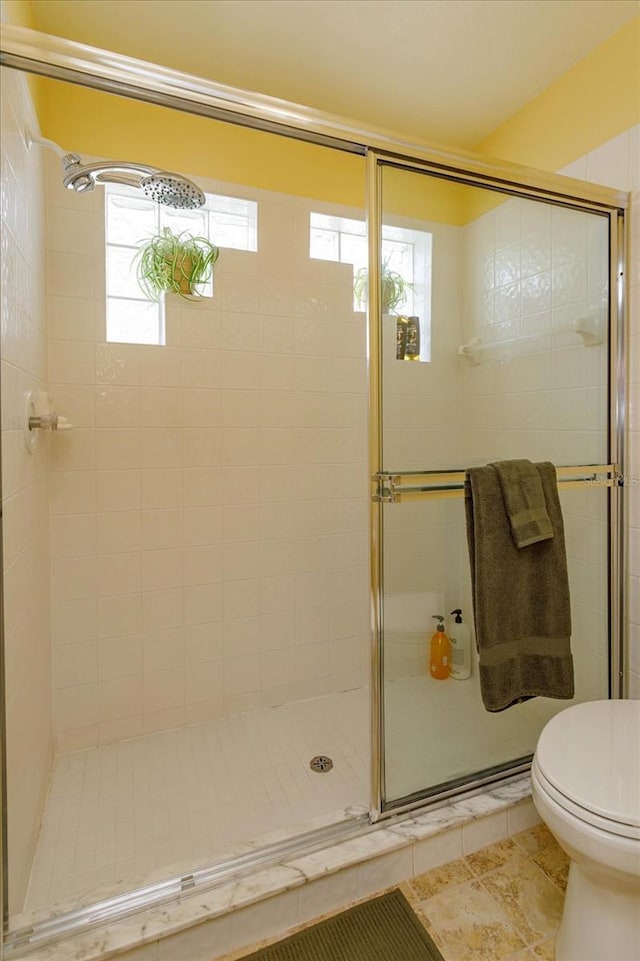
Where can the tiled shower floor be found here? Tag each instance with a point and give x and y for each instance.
(127, 813)
(153, 806)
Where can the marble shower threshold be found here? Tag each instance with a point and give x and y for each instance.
(206, 924)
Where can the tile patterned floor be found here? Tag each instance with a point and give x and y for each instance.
(502, 903)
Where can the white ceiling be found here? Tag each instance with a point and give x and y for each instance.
(442, 70)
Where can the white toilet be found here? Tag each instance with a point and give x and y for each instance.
(586, 786)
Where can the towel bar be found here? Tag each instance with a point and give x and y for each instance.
(395, 488)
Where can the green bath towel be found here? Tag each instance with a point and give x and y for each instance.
(524, 501)
(520, 596)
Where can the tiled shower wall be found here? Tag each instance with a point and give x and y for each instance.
(29, 742)
(546, 398)
(616, 163)
(109, 654)
(421, 416)
(209, 509)
(530, 271)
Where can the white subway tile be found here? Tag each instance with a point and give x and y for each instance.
(73, 621)
(117, 490)
(161, 489)
(118, 449)
(120, 657)
(70, 318)
(202, 486)
(119, 615)
(201, 368)
(120, 698)
(73, 578)
(161, 529)
(163, 609)
(160, 367)
(203, 682)
(241, 599)
(202, 565)
(162, 690)
(119, 573)
(241, 635)
(162, 569)
(72, 492)
(75, 707)
(202, 603)
(241, 675)
(203, 642)
(118, 532)
(75, 665)
(163, 650)
(71, 535)
(161, 407)
(117, 407)
(202, 447)
(201, 407)
(117, 364)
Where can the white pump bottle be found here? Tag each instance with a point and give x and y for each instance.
(460, 637)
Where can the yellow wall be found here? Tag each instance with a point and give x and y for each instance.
(595, 100)
(20, 13)
(591, 103)
(91, 122)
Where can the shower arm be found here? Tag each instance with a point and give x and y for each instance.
(72, 163)
(100, 172)
(30, 140)
(105, 172)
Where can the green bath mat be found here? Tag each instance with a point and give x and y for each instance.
(383, 929)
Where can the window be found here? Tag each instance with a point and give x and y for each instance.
(405, 251)
(130, 218)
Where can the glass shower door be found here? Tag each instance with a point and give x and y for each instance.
(507, 301)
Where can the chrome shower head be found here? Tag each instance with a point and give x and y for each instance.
(172, 190)
(161, 186)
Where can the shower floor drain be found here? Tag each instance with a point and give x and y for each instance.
(321, 763)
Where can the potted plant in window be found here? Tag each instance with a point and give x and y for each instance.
(394, 288)
(175, 263)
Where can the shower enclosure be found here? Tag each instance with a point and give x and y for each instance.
(197, 688)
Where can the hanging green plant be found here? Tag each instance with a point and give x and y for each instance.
(175, 263)
(394, 288)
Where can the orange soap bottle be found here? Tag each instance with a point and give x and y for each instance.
(440, 655)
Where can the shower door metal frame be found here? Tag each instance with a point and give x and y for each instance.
(377, 161)
(61, 59)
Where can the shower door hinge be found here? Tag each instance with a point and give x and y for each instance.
(385, 492)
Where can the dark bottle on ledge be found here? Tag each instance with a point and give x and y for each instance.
(401, 337)
(412, 348)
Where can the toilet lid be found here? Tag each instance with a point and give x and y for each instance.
(590, 753)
